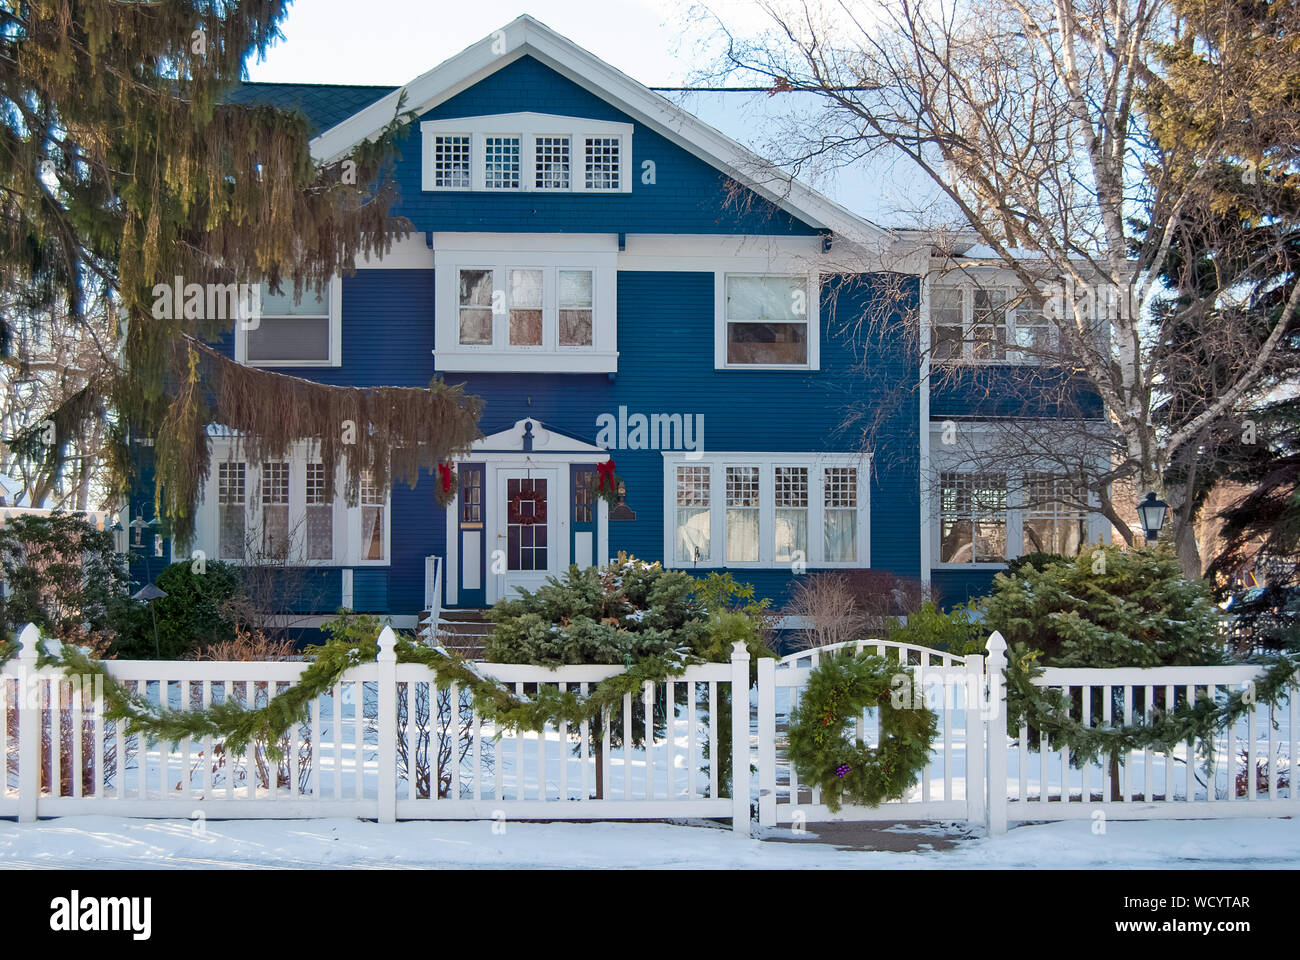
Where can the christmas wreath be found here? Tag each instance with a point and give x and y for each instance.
(514, 509)
(821, 727)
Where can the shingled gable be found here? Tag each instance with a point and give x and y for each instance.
(527, 37)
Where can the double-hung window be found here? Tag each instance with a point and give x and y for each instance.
(526, 152)
(275, 510)
(284, 331)
(766, 320)
(766, 510)
(983, 325)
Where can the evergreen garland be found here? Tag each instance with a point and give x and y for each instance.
(839, 689)
(238, 725)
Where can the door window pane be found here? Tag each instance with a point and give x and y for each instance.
(526, 512)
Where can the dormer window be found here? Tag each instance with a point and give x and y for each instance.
(527, 152)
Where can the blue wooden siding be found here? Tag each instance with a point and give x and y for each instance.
(1011, 390)
(957, 586)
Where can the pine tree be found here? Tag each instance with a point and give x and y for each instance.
(127, 165)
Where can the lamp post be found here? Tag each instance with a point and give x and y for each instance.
(149, 593)
(1151, 512)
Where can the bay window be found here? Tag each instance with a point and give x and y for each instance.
(232, 509)
(540, 303)
(284, 510)
(761, 507)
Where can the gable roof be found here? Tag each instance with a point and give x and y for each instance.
(325, 104)
(527, 37)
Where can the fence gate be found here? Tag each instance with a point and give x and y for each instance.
(952, 784)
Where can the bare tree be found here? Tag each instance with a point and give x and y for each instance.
(1029, 118)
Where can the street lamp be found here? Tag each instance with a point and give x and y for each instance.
(1151, 512)
(149, 593)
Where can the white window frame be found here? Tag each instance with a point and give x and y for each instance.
(550, 253)
(813, 319)
(528, 127)
(717, 464)
(346, 519)
(1014, 355)
(334, 296)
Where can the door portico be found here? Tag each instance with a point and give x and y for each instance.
(516, 520)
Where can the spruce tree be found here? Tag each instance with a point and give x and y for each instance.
(127, 165)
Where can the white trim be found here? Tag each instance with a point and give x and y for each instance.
(528, 127)
(718, 461)
(812, 319)
(525, 36)
(335, 295)
(409, 252)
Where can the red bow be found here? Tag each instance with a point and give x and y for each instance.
(444, 471)
(604, 472)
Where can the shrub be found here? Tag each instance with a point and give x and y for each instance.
(1124, 608)
(960, 630)
(63, 576)
(191, 617)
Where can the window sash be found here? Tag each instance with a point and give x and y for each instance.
(985, 325)
(768, 513)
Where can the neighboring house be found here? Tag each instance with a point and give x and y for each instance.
(605, 271)
(12, 492)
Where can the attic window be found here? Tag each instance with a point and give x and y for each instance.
(552, 164)
(602, 163)
(527, 152)
(451, 160)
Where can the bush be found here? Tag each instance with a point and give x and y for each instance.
(843, 606)
(191, 618)
(960, 630)
(1037, 561)
(63, 576)
(1122, 608)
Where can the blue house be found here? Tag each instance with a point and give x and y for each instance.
(620, 283)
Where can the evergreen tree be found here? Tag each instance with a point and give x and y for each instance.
(127, 166)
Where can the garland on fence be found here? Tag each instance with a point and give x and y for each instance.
(1050, 711)
(838, 690)
(238, 725)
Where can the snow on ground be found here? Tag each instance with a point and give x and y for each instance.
(112, 842)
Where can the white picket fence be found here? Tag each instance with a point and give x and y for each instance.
(387, 742)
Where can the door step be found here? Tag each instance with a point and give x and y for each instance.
(462, 632)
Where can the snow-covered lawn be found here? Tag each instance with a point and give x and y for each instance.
(111, 842)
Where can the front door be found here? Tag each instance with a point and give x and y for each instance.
(526, 525)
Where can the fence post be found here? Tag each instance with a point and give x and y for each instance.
(767, 741)
(996, 733)
(30, 721)
(387, 673)
(740, 738)
(976, 743)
